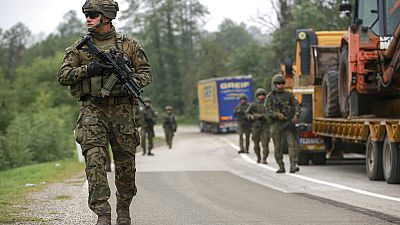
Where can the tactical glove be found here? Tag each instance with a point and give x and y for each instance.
(280, 116)
(95, 68)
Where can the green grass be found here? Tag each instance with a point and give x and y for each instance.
(13, 190)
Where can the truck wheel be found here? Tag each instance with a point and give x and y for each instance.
(391, 161)
(343, 82)
(373, 159)
(303, 158)
(318, 158)
(330, 94)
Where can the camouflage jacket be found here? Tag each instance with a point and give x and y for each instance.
(150, 116)
(73, 71)
(282, 102)
(169, 121)
(240, 113)
(256, 112)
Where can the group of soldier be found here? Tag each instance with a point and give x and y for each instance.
(274, 113)
(146, 118)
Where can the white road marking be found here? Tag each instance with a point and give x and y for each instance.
(313, 180)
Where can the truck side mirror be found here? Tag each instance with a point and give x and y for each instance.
(345, 7)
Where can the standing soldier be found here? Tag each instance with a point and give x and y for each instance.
(105, 118)
(244, 125)
(284, 108)
(150, 118)
(169, 125)
(260, 125)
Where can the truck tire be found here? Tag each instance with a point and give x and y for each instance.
(318, 158)
(391, 161)
(304, 158)
(373, 159)
(343, 82)
(330, 94)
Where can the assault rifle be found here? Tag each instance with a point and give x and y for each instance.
(119, 64)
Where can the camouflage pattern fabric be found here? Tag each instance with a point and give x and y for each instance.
(244, 126)
(260, 128)
(104, 121)
(169, 126)
(147, 130)
(284, 103)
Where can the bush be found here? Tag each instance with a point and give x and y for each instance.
(39, 137)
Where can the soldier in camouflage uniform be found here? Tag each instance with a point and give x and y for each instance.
(105, 117)
(244, 125)
(260, 125)
(284, 108)
(150, 118)
(169, 125)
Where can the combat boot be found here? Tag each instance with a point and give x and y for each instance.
(123, 217)
(294, 168)
(151, 154)
(281, 169)
(144, 152)
(241, 151)
(104, 219)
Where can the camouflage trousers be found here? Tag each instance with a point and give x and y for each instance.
(244, 130)
(97, 126)
(169, 134)
(148, 133)
(261, 133)
(279, 131)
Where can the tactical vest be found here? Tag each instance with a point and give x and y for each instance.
(93, 86)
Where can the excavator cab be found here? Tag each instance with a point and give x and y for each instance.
(362, 79)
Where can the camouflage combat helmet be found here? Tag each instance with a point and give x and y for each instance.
(278, 78)
(108, 8)
(147, 100)
(168, 107)
(243, 96)
(260, 91)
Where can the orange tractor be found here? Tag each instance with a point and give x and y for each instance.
(368, 77)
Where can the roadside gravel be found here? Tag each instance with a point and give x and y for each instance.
(61, 203)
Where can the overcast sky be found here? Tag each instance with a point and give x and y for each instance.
(45, 15)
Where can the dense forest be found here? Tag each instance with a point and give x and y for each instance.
(37, 115)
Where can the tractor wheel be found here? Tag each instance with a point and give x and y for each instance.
(391, 161)
(373, 160)
(330, 94)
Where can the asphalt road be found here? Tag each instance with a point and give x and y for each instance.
(203, 180)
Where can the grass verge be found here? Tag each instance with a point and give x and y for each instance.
(14, 188)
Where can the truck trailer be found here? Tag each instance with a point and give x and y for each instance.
(359, 103)
(217, 100)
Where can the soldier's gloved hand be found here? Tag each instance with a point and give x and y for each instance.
(96, 68)
(251, 117)
(295, 119)
(280, 116)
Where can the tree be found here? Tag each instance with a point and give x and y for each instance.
(71, 25)
(15, 40)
